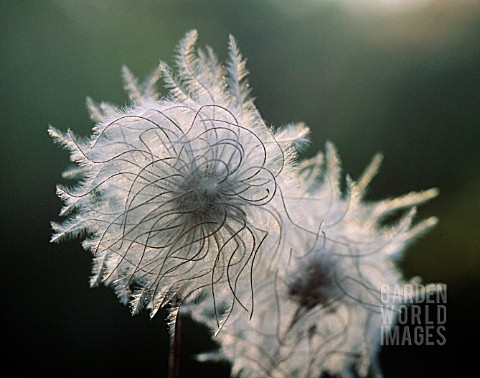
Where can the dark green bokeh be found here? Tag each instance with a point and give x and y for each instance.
(406, 84)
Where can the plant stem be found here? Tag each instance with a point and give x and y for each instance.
(174, 354)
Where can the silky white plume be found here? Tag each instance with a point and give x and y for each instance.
(178, 194)
(320, 312)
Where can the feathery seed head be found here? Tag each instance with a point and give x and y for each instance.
(178, 194)
(190, 198)
(321, 311)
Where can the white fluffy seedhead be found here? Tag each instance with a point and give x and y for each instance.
(321, 310)
(190, 199)
(181, 194)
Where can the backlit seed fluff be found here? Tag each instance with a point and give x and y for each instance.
(190, 199)
(320, 312)
(179, 194)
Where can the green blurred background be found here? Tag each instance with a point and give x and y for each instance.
(405, 82)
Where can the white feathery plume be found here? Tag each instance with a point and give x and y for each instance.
(320, 312)
(191, 200)
(180, 194)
